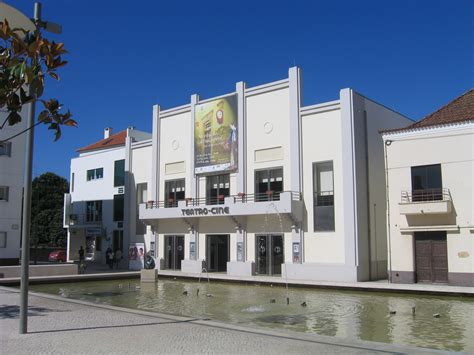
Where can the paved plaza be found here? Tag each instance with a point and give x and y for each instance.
(59, 325)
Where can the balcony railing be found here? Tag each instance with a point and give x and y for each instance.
(440, 194)
(219, 200)
(83, 219)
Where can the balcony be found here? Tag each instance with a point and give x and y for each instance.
(426, 202)
(82, 220)
(270, 202)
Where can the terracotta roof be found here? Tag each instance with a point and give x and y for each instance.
(114, 140)
(460, 109)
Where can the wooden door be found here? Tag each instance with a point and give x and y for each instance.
(431, 257)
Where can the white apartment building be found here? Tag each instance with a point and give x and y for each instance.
(430, 179)
(94, 208)
(12, 165)
(254, 183)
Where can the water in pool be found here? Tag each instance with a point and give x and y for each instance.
(381, 317)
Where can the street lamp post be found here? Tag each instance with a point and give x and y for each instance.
(26, 221)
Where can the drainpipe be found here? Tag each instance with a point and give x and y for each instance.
(387, 143)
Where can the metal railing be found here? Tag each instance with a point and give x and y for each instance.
(427, 195)
(324, 198)
(219, 200)
(84, 219)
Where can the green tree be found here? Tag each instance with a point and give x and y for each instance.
(47, 210)
(26, 59)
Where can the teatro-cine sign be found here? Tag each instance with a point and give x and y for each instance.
(197, 211)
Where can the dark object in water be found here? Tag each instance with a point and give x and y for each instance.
(393, 312)
(185, 293)
(104, 294)
(413, 310)
(283, 319)
(273, 300)
(436, 315)
(209, 295)
(303, 304)
(197, 292)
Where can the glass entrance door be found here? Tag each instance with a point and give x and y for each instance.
(217, 252)
(174, 251)
(269, 250)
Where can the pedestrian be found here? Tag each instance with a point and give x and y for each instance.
(118, 258)
(82, 263)
(109, 257)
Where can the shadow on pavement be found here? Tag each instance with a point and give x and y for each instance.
(114, 326)
(12, 312)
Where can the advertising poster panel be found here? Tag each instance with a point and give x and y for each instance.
(215, 135)
(136, 256)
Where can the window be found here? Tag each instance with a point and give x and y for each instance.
(217, 188)
(3, 239)
(268, 184)
(72, 182)
(4, 193)
(119, 205)
(174, 192)
(94, 211)
(323, 199)
(119, 173)
(426, 183)
(95, 174)
(141, 198)
(6, 149)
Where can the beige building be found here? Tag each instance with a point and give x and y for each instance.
(429, 169)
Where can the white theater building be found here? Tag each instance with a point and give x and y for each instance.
(430, 174)
(254, 183)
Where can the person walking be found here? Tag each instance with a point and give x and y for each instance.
(109, 257)
(82, 262)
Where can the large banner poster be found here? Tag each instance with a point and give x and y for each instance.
(136, 256)
(215, 135)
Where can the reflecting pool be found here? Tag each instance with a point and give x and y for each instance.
(437, 322)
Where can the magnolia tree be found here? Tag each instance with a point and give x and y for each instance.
(26, 59)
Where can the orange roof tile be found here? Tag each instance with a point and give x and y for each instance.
(460, 109)
(114, 140)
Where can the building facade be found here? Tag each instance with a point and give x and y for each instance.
(94, 209)
(430, 168)
(12, 167)
(254, 183)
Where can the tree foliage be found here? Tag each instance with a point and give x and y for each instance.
(47, 209)
(26, 58)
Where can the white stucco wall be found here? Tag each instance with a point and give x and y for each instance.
(11, 175)
(321, 134)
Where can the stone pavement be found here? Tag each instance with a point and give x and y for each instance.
(58, 325)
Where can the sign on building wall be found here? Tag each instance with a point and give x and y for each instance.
(215, 135)
(136, 256)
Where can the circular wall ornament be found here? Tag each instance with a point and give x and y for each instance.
(175, 144)
(267, 127)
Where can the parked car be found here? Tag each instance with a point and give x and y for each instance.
(59, 256)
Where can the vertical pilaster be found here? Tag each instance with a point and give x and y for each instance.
(296, 173)
(155, 155)
(348, 177)
(241, 233)
(193, 233)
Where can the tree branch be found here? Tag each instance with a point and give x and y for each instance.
(20, 133)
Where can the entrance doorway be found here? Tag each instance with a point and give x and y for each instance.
(217, 254)
(431, 257)
(174, 251)
(269, 254)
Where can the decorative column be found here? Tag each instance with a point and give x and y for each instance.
(294, 78)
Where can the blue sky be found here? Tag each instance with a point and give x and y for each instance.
(125, 56)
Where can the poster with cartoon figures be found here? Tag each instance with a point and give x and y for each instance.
(136, 256)
(215, 135)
